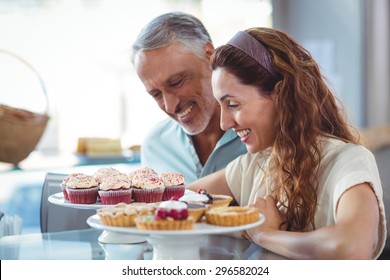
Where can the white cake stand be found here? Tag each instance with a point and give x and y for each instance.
(174, 244)
(107, 237)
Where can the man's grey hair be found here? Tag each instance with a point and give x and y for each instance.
(170, 27)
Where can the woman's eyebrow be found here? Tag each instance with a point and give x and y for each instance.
(224, 97)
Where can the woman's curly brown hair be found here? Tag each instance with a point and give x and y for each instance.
(306, 110)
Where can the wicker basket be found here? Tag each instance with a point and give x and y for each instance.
(20, 130)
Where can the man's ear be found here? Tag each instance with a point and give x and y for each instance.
(208, 50)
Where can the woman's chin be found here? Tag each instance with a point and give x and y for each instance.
(252, 150)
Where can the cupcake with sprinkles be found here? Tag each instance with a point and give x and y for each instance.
(147, 188)
(82, 189)
(142, 172)
(105, 172)
(114, 190)
(174, 183)
(65, 181)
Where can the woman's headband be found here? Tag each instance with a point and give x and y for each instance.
(254, 49)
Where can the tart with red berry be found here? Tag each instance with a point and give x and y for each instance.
(195, 210)
(169, 215)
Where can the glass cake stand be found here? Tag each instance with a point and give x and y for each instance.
(174, 244)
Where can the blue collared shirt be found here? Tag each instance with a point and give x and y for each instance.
(168, 148)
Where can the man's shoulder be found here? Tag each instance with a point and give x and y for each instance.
(163, 128)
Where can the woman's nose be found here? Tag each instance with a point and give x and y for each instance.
(227, 122)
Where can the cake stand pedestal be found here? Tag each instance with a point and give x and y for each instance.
(174, 244)
(186, 247)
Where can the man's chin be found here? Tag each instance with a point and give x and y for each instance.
(192, 130)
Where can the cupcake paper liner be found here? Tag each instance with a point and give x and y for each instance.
(148, 195)
(65, 193)
(82, 196)
(115, 196)
(171, 191)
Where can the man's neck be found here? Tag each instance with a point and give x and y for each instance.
(206, 141)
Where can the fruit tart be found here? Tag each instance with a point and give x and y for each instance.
(169, 215)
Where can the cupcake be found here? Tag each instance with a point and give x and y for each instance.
(169, 215)
(105, 172)
(211, 200)
(174, 183)
(115, 189)
(82, 189)
(147, 188)
(142, 172)
(122, 214)
(232, 216)
(65, 181)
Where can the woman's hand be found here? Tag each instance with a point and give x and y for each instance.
(273, 218)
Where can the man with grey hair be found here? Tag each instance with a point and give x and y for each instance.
(171, 57)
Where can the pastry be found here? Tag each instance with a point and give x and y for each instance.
(65, 181)
(174, 185)
(122, 214)
(196, 210)
(147, 188)
(142, 172)
(232, 216)
(82, 189)
(212, 200)
(169, 215)
(105, 172)
(114, 189)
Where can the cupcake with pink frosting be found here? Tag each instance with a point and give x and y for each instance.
(147, 188)
(174, 183)
(82, 189)
(142, 172)
(115, 189)
(65, 181)
(105, 172)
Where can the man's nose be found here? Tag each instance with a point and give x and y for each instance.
(170, 103)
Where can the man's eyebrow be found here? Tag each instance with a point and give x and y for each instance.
(224, 97)
(176, 76)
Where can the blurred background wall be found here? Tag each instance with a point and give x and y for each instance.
(350, 40)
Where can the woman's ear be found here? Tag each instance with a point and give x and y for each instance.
(278, 87)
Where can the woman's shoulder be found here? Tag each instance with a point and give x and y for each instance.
(336, 146)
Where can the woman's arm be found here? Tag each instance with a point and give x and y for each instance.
(354, 236)
(213, 183)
